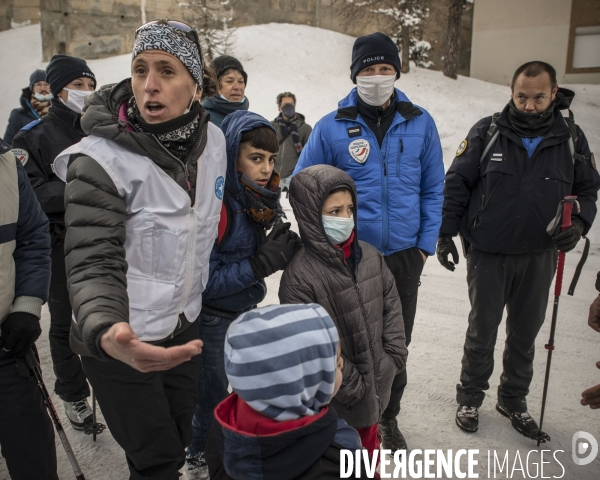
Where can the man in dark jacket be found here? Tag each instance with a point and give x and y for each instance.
(37, 146)
(26, 432)
(292, 133)
(392, 151)
(35, 102)
(501, 203)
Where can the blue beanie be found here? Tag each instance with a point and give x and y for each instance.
(282, 359)
(37, 76)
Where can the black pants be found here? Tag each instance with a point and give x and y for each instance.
(522, 284)
(71, 384)
(149, 414)
(26, 431)
(406, 266)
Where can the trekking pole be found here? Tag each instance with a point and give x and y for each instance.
(567, 208)
(34, 366)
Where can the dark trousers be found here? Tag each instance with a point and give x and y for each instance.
(71, 384)
(522, 284)
(148, 414)
(26, 431)
(212, 381)
(406, 266)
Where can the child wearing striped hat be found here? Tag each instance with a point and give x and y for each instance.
(284, 365)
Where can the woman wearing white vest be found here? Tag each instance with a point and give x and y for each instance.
(143, 199)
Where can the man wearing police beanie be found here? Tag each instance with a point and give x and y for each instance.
(377, 133)
(37, 145)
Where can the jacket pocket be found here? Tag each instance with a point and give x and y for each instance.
(148, 294)
(164, 253)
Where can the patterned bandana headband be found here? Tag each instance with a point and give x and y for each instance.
(172, 37)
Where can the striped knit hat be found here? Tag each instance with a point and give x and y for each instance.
(282, 359)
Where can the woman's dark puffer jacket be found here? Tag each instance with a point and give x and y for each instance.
(363, 303)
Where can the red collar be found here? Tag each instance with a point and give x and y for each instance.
(237, 415)
(347, 246)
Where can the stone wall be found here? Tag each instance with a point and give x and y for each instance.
(101, 28)
(19, 11)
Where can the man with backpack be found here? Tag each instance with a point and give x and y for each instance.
(502, 191)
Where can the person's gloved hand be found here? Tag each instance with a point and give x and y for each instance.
(594, 318)
(276, 251)
(19, 332)
(566, 240)
(445, 247)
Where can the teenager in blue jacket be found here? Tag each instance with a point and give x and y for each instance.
(392, 151)
(242, 257)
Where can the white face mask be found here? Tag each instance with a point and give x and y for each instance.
(76, 99)
(375, 90)
(43, 98)
(338, 229)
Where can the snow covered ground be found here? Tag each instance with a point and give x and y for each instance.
(314, 64)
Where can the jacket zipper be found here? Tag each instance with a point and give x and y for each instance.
(399, 158)
(184, 165)
(189, 258)
(475, 220)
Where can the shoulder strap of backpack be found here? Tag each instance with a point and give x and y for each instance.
(570, 121)
(490, 137)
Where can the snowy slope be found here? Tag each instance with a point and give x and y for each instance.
(314, 64)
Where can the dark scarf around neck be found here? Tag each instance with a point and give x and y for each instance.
(290, 128)
(530, 125)
(178, 135)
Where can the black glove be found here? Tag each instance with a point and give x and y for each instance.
(445, 247)
(566, 240)
(276, 251)
(19, 332)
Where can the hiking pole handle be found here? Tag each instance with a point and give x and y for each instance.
(566, 222)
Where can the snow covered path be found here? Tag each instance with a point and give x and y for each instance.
(316, 70)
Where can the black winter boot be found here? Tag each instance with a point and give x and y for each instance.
(524, 423)
(467, 418)
(392, 438)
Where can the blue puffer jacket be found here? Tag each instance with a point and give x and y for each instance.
(231, 282)
(400, 185)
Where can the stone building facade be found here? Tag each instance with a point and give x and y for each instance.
(101, 28)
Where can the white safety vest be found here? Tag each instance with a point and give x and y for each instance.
(168, 242)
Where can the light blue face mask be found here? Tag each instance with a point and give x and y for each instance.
(225, 98)
(338, 229)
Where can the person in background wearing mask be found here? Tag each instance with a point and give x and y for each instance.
(502, 200)
(292, 134)
(37, 145)
(231, 81)
(35, 102)
(392, 151)
(351, 281)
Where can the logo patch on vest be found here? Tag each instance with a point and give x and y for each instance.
(219, 187)
(461, 148)
(22, 155)
(359, 150)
